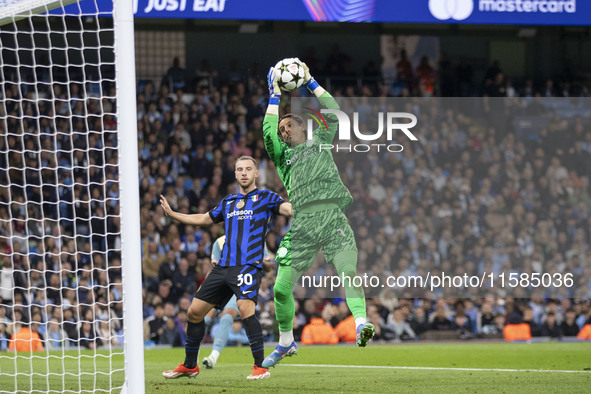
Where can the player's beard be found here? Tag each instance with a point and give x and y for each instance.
(246, 186)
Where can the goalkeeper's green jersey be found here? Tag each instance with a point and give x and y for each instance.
(308, 173)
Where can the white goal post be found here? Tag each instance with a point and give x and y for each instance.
(70, 266)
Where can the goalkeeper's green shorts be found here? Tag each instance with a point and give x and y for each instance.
(320, 226)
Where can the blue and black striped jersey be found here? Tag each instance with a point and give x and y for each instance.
(246, 218)
(218, 245)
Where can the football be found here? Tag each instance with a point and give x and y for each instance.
(290, 74)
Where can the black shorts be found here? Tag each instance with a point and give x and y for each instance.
(223, 282)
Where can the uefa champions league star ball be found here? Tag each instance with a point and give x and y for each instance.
(290, 74)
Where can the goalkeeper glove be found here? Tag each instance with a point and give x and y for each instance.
(274, 91)
(309, 81)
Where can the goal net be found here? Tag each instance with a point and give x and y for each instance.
(61, 293)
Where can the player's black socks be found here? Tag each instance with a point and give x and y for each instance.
(254, 331)
(195, 333)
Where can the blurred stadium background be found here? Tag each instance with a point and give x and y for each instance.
(515, 191)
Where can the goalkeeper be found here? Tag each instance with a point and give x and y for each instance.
(319, 198)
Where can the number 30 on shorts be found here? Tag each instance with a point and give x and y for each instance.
(244, 279)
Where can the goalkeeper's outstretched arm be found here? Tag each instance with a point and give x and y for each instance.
(325, 99)
(198, 219)
(273, 143)
(314, 87)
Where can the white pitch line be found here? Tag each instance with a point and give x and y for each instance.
(433, 368)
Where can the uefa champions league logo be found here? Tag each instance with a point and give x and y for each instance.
(451, 9)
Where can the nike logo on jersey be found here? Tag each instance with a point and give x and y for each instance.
(246, 292)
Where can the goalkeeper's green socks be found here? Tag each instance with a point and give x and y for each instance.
(357, 307)
(284, 302)
(346, 264)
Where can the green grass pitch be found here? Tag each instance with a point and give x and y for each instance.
(417, 367)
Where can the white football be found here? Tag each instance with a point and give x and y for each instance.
(290, 73)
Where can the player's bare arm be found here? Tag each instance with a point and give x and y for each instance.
(268, 265)
(198, 219)
(286, 209)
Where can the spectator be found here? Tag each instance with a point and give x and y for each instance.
(486, 320)
(419, 322)
(551, 328)
(440, 320)
(376, 320)
(154, 325)
(6, 280)
(181, 326)
(569, 325)
(175, 76)
(151, 264)
(346, 330)
(26, 339)
(165, 292)
(190, 244)
(56, 337)
(66, 319)
(183, 280)
(341, 313)
(461, 321)
(5, 320)
(471, 311)
(237, 335)
(397, 328)
(528, 318)
(170, 334)
(585, 332)
(517, 332)
(319, 332)
(269, 322)
(169, 310)
(107, 333)
(4, 337)
(87, 336)
(426, 77)
(404, 69)
(585, 315)
(168, 268)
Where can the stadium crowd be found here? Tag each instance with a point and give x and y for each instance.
(476, 194)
